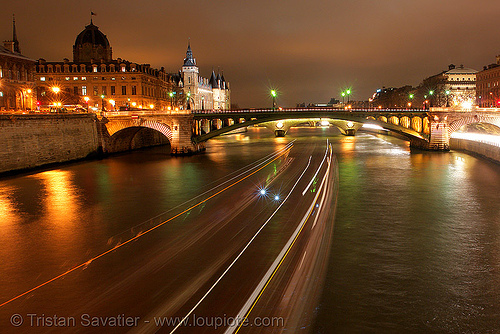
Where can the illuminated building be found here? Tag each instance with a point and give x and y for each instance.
(95, 80)
(488, 89)
(203, 93)
(94, 74)
(16, 76)
(453, 88)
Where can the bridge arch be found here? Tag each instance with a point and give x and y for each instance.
(485, 128)
(135, 137)
(125, 135)
(461, 122)
(115, 126)
(381, 120)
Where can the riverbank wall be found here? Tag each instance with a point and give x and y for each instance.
(29, 141)
(488, 151)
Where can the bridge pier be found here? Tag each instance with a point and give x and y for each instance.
(347, 128)
(439, 139)
(279, 133)
(181, 143)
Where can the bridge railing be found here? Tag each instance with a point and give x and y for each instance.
(304, 110)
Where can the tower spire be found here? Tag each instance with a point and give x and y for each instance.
(189, 60)
(14, 35)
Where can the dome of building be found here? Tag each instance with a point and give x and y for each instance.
(91, 45)
(91, 34)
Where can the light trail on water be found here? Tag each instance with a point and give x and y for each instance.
(84, 264)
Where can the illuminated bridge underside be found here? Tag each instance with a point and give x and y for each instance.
(413, 125)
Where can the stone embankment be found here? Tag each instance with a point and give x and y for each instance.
(28, 141)
(484, 150)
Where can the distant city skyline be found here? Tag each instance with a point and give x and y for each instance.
(308, 52)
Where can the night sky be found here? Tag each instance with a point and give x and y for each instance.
(307, 50)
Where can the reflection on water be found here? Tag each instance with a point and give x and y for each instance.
(8, 212)
(60, 200)
(416, 245)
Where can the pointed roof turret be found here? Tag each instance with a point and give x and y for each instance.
(213, 80)
(223, 82)
(189, 60)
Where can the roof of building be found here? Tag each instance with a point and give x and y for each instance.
(7, 52)
(461, 70)
(91, 34)
(189, 60)
(213, 80)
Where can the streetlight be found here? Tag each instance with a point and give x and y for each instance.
(410, 97)
(102, 102)
(112, 102)
(188, 106)
(343, 95)
(348, 92)
(273, 95)
(431, 93)
(171, 94)
(447, 92)
(86, 99)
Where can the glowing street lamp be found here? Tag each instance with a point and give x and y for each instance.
(86, 99)
(23, 98)
(343, 95)
(56, 89)
(112, 102)
(410, 99)
(431, 93)
(348, 93)
(273, 95)
(102, 102)
(171, 94)
(447, 92)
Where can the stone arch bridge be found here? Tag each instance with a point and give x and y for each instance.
(187, 131)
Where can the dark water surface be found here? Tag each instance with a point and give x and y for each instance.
(416, 245)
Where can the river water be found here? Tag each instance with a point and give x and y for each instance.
(416, 244)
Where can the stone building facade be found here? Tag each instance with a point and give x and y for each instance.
(17, 83)
(488, 85)
(453, 88)
(96, 81)
(202, 93)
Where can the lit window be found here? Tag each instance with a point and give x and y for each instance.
(84, 78)
(113, 78)
(84, 90)
(95, 68)
(123, 68)
(75, 78)
(1, 94)
(67, 78)
(42, 78)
